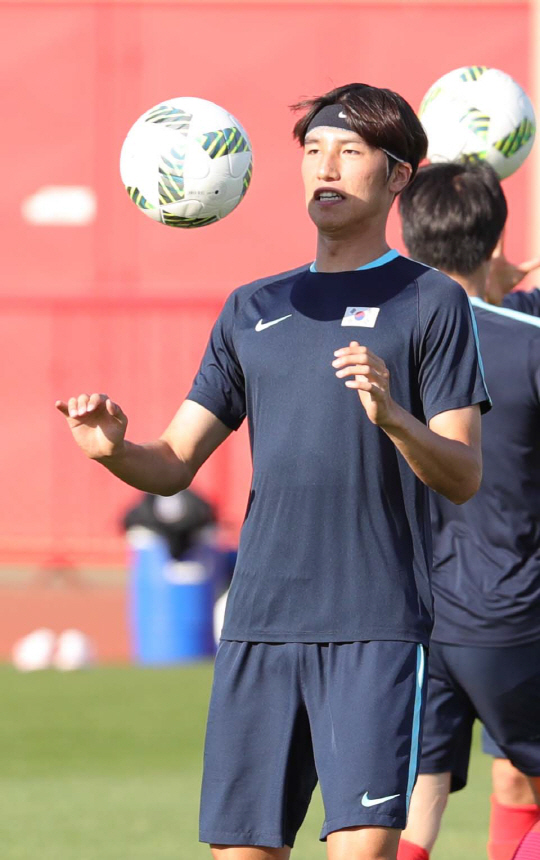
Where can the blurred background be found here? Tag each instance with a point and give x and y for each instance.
(96, 297)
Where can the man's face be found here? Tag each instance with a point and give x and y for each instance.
(345, 179)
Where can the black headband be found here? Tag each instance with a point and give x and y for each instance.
(334, 116)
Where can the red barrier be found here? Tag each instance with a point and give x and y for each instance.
(56, 505)
(109, 304)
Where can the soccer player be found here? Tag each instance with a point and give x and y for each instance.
(514, 801)
(485, 650)
(360, 380)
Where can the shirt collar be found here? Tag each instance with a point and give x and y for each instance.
(380, 261)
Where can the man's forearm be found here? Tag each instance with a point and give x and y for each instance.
(448, 466)
(152, 468)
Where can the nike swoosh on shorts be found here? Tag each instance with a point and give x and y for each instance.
(374, 801)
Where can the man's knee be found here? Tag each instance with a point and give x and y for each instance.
(245, 852)
(510, 786)
(363, 843)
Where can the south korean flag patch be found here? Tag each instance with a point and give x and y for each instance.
(363, 317)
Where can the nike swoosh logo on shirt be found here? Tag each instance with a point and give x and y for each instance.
(261, 326)
(374, 801)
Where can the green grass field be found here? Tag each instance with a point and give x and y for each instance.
(105, 765)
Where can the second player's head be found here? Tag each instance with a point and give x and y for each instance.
(363, 143)
(453, 215)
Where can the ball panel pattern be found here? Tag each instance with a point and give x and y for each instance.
(186, 162)
(476, 113)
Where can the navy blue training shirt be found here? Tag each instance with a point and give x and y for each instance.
(486, 575)
(336, 541)
(526, 301)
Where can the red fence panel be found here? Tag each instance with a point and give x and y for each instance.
(56, 506)
(108, 303)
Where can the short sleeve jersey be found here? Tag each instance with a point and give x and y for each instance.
(526, 301)
(336, 544)
(486, 576)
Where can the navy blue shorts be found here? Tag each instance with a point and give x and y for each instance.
(284, 715)
(500, 687)
(489, 747)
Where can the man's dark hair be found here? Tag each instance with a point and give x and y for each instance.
(381, 117)
(453, 215)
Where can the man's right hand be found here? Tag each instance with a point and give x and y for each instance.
(162, 467)
(98, 425)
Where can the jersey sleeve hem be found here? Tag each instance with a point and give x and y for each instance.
(233, 422)
(417, 637)
(476, 399)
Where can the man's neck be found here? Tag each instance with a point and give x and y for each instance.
(346, 253)
(473, 284)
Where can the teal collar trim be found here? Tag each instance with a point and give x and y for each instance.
(505, 312)
(380, 261)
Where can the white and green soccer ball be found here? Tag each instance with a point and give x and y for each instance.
(479, 114)
(186, 162)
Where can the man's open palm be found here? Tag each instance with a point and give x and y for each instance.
(98, 425)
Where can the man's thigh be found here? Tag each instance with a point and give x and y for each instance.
(489, 747)
(365, 708)
(504, 686)
(259, 771)
(448, 722)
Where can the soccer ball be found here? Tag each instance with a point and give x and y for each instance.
(475, 113)
(34, 651)
(74, 650)
(186, 162)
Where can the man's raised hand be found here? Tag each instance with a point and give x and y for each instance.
(98, 425)
(370, 377)
(503, 275)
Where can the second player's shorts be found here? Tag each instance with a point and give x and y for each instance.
(489, 747)
(283, 715)
(500, 687)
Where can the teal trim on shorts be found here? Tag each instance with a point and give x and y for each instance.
(415, 742)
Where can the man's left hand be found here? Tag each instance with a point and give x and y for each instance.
(371, 378)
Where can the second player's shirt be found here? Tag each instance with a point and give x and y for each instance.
(336, 541)
(526, 301)
(486, 574)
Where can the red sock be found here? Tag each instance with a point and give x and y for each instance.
(507, 827)
(409, 851)
(529, 848)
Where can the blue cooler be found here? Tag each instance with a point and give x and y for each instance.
(171, 602)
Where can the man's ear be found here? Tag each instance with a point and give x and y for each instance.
(400, 177)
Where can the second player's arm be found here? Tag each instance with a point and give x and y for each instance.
(163, 467)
